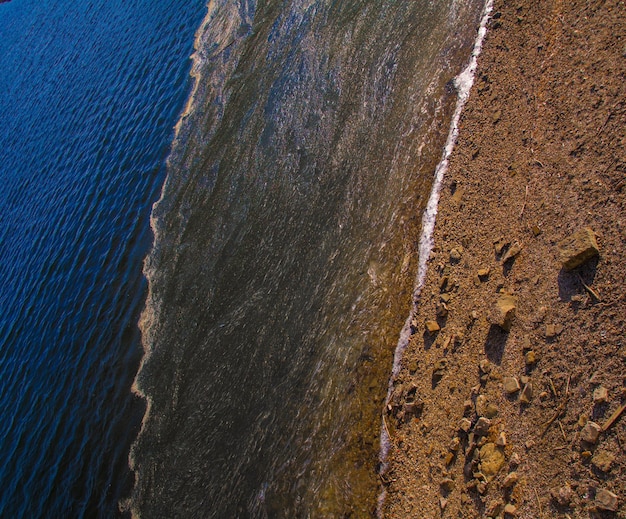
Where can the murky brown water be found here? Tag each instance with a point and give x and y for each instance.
(285, 253)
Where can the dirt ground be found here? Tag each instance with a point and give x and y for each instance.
(541, 154)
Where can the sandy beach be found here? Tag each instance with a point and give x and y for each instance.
(509, 400)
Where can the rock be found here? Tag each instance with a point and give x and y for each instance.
(447, 485)
(439, 368)
(552, 330)
(481, 405)
(465, 425)
(455, 255)
(590, 432)
(606, 500)
(510, 509)
(515, 249)
(494, 508)
(455, 443)
(510, 480)
(515, 460)
(600, 395)
(485, 366)
(530, 358)
(482, 426)
(483, 274)
(578, 248)
(563, 495)
(491, 411)
(510, 385)
(526, 395)
(432, 327)
(443, 502)
(500, 244)
(501, 441)
(603, 460)
(491, 460)
(503, 312)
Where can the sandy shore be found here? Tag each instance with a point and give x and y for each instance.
(483, 418)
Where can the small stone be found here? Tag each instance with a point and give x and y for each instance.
(563, 495)
(582, 420)
(485, 366)
(449, 458)
(510, 480)
(481, 487)
(481, 405)
(530, 358)
(499, 245)
(491, 460)
(455, 256)
(578, 248)
(432, 326)
(515, 460)
(443, 284)
(483, 274)
(536, 230)
(590, 432)
(482, 426)
(494, 508)
(455, 443)
(445, 297)
(510, 385)
(606, 500)
(552, 330)
(526, 395)
(510, 509)
(501, 441)
(503, 312)
(439, 367)
(443, 502)
(603, 460)
(600, 395)
(465, 425)
(442, 310)
(524, 379)
(447, 485)
(491, 411)
(515, 249)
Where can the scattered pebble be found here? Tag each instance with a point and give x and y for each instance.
(578, 248)
(432, 326)
(503, 312)
(501, 441)
(510, 385)
(606, 500)
(510, 480)
(482, 426)
(600, 395)
(603, 460)
(590, 432)
(526, 395)
(514, 251)
(563, 495)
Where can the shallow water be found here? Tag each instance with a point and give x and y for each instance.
(90, 95)
(285, 253)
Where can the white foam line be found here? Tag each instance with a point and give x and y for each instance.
(463, 83)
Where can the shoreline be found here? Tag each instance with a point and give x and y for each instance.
(538, 156)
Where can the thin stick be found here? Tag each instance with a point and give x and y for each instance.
(558, 413)
(538, 502)
(567, 387)
(613, 418)
(562, 431)
(553, 388)
(524, 204)
(589, 289)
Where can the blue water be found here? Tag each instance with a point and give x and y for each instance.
(91, 91)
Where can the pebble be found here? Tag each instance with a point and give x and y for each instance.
(491, 460)
(578, 248)
(603, 460)
(600, 395)
(465, 425)
(590, 432)
(511, 385)
(501, 441)
(563, 495)
(455, 443)
(455, 255)
(482, 426)
(515, 249)
(527, 394)
(530, 358)
(503, 312)
(606, 500)
(432, 326)
(447, 484)
(552, 330)
(510, 480)
(494, 508)
(515, 460)
(483, 273)
(510, 509)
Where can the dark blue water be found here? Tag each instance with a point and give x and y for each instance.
(90, 92)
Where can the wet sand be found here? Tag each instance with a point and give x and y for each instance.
(540, 155)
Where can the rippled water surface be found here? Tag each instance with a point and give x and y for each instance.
(91, 91)
(285, 253)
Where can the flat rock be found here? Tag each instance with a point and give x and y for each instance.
(578, 248)
(600, 395)
(482, 426)
(513, 251)
(526, 395)
(606, 500)
(510, 385)
(602, 460)
(432, 326)
(491, 460)
(590, 432)
(503, 312)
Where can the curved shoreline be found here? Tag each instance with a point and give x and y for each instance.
(538, 157)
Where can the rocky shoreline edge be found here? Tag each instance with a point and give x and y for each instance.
(509, 399)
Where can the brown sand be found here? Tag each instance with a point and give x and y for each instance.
(541, 154)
